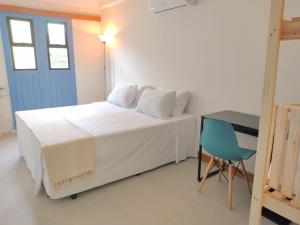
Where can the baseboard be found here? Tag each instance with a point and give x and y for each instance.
(5, 134)
(206, 158)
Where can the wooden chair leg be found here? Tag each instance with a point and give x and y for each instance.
(246, 176)
(230, 176)
(208, 169)
(220, 172)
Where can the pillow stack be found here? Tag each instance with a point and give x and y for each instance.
(123, 94)
(148, 100)
(157, 103)
(139, 93)
(181, 102)
(162, 103)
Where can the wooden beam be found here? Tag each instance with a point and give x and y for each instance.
(296, 19)
(291, 156)
(279, 147)
(281, 207)
(267, 111)
(18, 9)
(290, 29)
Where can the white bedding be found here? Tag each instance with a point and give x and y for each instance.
(62, 141)
(127, 142)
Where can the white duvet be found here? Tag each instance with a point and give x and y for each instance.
(127, 142)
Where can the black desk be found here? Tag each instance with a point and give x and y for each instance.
(241, 122)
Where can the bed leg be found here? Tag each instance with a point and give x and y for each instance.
(74, 196)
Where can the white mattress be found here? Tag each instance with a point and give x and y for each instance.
(127, 142)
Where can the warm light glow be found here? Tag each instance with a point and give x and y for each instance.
(107, 36)
(93, 28)
(103, 38)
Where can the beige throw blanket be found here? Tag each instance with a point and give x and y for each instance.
(68, 151)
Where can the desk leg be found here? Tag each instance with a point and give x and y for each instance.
(199, 164)
(200, 153)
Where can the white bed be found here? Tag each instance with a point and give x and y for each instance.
(126, 142)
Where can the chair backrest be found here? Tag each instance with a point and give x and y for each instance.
(219, 139)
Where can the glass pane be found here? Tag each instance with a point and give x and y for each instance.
(20, 31)
(56, 34)
(24, 58)
(59, 58)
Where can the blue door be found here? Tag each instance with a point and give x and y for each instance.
(39, 60)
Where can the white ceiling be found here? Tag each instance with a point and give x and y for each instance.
(91, 7)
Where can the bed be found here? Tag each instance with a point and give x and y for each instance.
(126, 142)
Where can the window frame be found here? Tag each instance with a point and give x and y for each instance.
(12, 44)
(66, 45)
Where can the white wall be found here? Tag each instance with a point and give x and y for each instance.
(215, 49)
(88, 64)
(88, 61)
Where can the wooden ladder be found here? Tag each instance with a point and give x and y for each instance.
(279, 30)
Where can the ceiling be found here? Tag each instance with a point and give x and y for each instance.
(90, 7)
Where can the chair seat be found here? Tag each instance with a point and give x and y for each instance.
(247, 153)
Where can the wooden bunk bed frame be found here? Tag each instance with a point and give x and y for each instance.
(277, 176)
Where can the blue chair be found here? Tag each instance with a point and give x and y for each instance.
(218, 138)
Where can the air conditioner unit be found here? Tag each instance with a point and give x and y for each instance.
(158, 6)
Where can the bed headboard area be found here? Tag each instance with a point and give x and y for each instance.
(181, 50)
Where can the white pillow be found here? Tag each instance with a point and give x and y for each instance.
(139, 94)
(123, 94)
(157, 103)
(181, 102)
